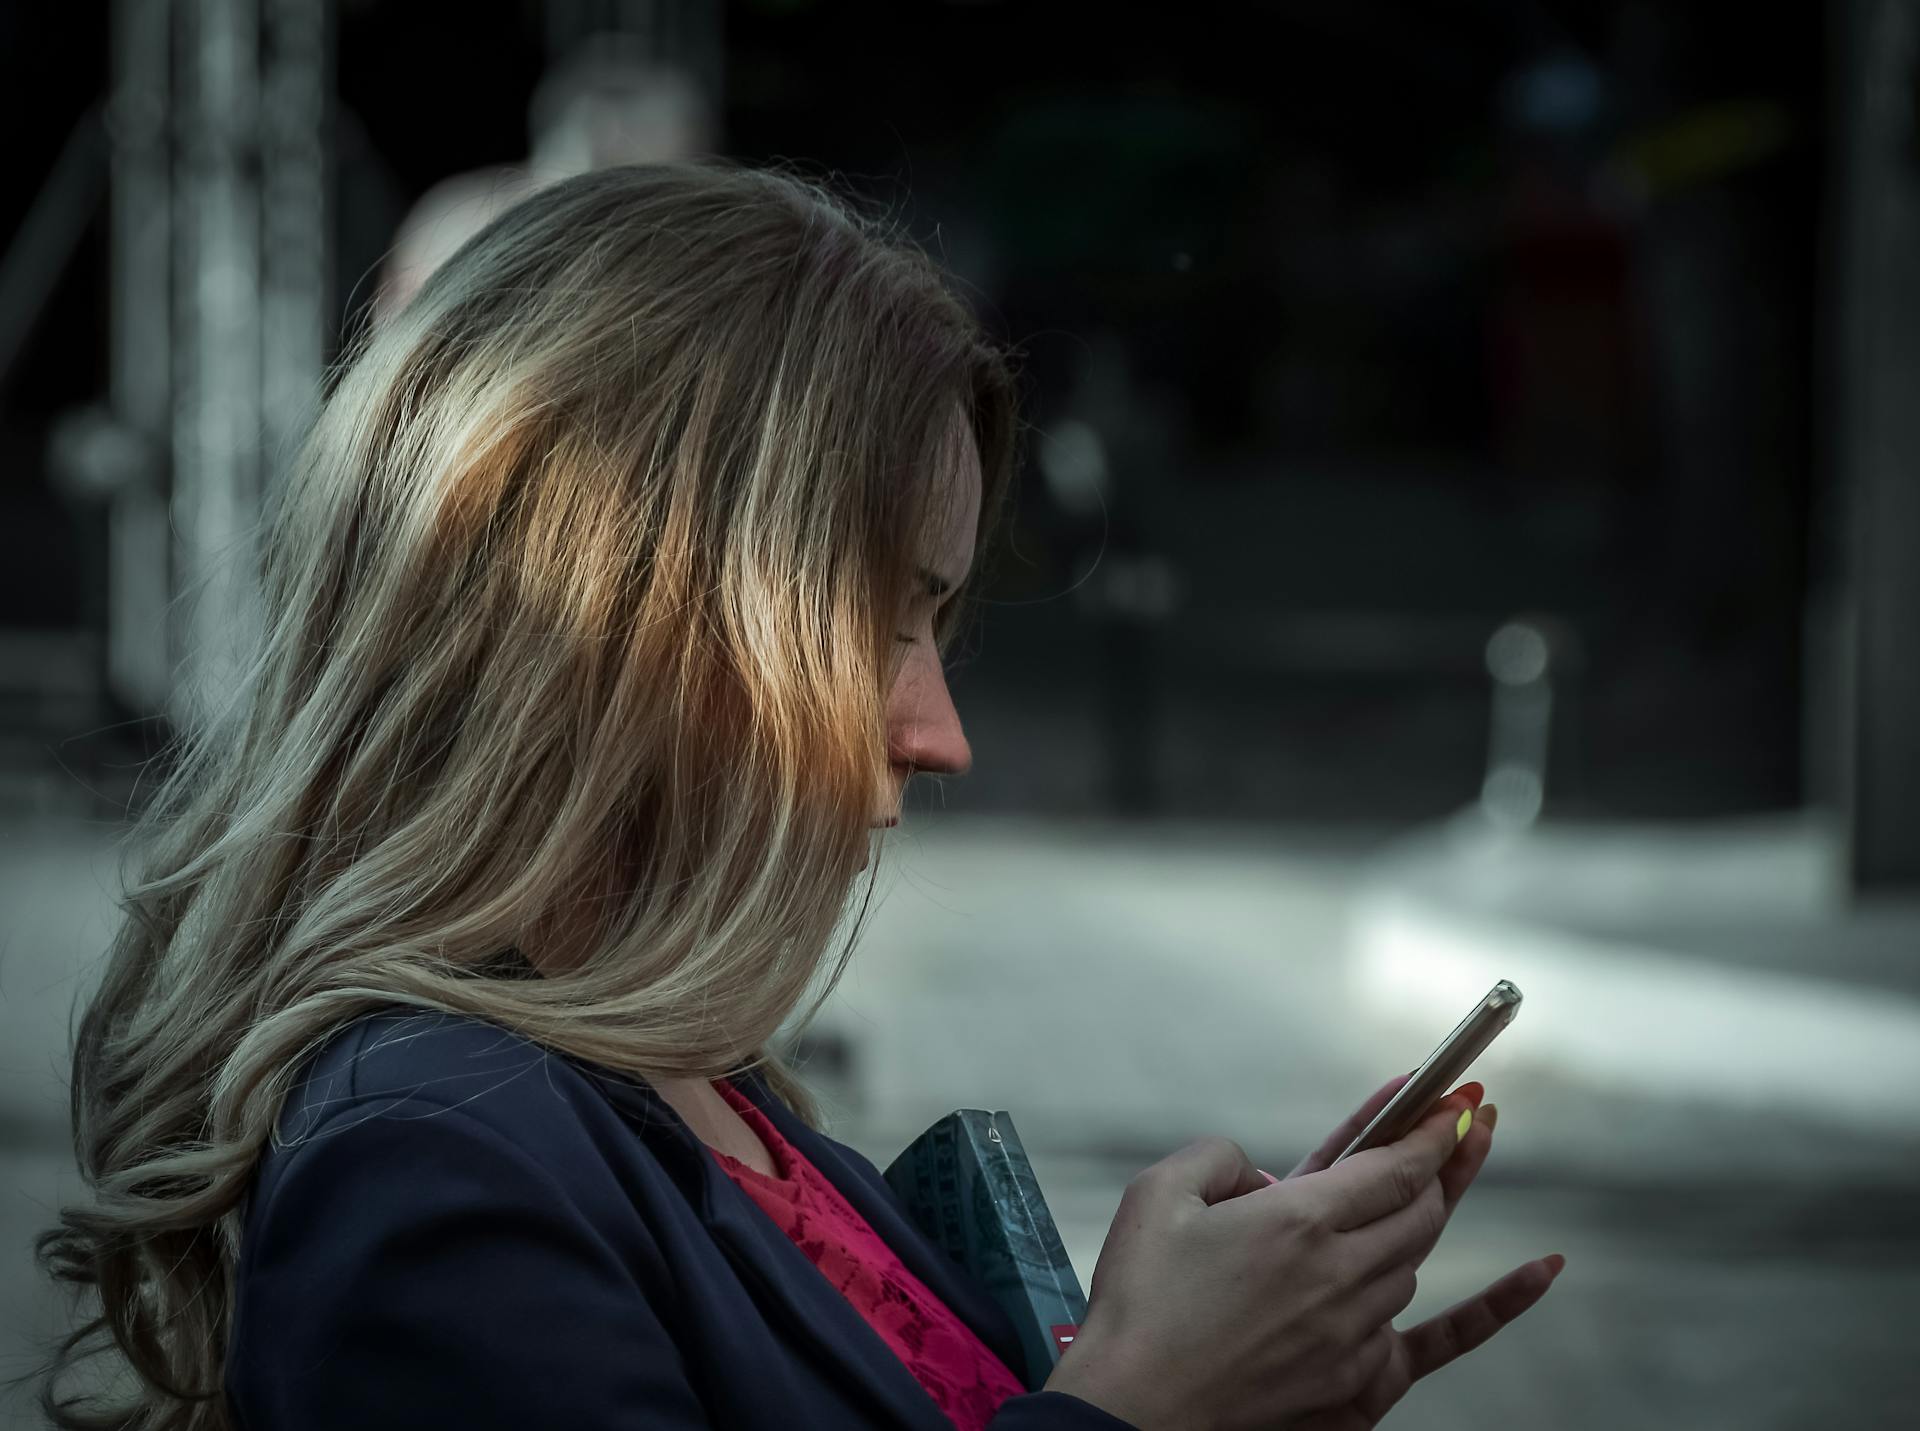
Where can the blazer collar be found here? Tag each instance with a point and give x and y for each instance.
(790, 1286)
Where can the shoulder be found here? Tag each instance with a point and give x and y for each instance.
(404, 1118)
(429, 1057)
(429, 1088)
(452, 1227)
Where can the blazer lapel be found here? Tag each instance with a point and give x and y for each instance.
(784, 1280)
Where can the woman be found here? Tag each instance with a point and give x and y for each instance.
(430, 1084)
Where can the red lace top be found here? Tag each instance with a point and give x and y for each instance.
(967, 1380)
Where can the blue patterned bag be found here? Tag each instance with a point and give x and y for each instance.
(968, 1186)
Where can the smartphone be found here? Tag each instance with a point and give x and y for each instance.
(1434, 1079)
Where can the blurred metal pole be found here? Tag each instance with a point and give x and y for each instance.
(296, 146)
(249, 322)
(139, 382)
(1137, 594)
(1878, 433)
(217, 349)
(1520, 660)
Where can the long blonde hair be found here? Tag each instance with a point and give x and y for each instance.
(580, 610)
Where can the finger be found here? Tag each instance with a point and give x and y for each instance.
(1466, 1325)
(1342, 1138)
(1467, 1160)
(1415, 1241)
(1369, 1185)
(1213, 1169)
(1338, 1139)
(1402, 1238)
(1455, 1178)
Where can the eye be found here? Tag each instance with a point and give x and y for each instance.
(934, 592)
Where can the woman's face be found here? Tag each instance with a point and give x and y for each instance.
(923, 728)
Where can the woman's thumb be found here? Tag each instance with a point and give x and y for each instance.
(1215, 1169)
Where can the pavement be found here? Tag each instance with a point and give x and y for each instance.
(1711, 1126)
(1725, 1148)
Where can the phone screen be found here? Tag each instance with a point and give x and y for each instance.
(1436, 1077)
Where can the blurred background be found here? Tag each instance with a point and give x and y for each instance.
(1468, 532)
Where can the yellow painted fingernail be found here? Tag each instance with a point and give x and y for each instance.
(1466, 1122)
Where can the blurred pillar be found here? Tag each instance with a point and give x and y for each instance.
(217, 345)
(296, 261)
(248, 204)
(1103, 465)
(139, 380)
(1877, 433)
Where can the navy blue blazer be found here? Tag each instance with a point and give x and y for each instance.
(466, 1229)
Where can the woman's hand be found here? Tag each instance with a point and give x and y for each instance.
(1435, 1342)
(1460, 1170)
(1463, 1326)
(1221, 1302)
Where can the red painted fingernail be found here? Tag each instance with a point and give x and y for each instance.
(1267, 1175)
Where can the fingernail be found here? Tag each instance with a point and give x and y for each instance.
(1490, 1114)
(1473, 1092)
(1466, 1122)
(1556, 1263)
(1267, 1175)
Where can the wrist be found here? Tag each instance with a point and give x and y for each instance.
(1110, 1378)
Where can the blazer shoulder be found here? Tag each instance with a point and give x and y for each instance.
(483, 1069)
(458, 1232)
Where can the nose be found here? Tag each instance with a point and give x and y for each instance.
(923, 729)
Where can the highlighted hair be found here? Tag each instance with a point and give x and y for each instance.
(580, 609)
